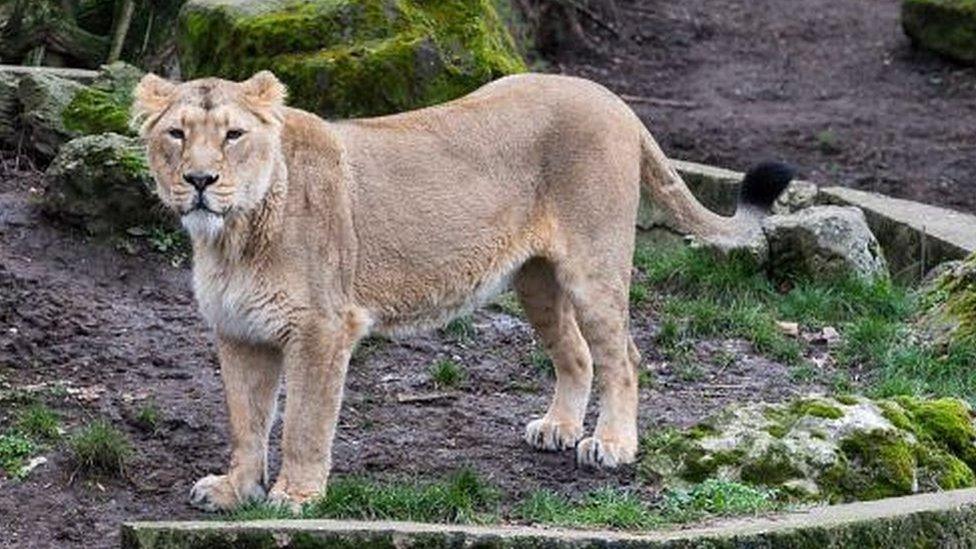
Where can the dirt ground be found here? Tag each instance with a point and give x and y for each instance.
(832, 86)
(93, 331)
(115, 330)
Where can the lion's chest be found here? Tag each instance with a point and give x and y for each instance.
(239, 305)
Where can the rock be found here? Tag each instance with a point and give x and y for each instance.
(351, 58)
(947, 27)
(797, 196)
(102, 183)
(831, 241)
(820, 448)
(950, 305)
(104, 106)
(43, 98)
(9, 110)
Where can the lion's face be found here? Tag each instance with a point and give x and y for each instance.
(212, 145)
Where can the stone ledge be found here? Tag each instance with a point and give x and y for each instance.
(945, 519)
(914, 236)
(82, 76)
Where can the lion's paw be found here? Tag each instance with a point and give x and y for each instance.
(282, 495)
(217, 493)
(594, 452)
(552, 436)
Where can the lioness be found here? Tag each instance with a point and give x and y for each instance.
(308, 235)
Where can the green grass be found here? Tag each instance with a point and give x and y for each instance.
(461, 329)
(617, 509)
(99, 447)
(447, 374)
(37, 421)
(700, 295)
(539, 359)
(463, 497)
(15, 448)
(149, 417)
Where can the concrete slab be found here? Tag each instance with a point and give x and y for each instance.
(946, 519)
(914, 236)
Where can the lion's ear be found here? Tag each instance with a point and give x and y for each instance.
(264, 90)
(150, 99)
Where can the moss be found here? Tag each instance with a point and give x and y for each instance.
(772, 467)
(896, 415)
(938, 470)
(816, 408)
(94, 111)
(354, 58)
(947, 422)
(848, 400)
(880, 464)
(947, 27)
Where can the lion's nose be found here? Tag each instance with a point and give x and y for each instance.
(200, 180)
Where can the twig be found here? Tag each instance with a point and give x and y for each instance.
(659, 101)
(593, 16)
(121, 29)
(408, 398)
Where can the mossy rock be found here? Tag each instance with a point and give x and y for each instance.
(103, 107)
(43, 97)
(821, 448)
(947, 27)
(347, 58)
(102, 183)
(950, 306)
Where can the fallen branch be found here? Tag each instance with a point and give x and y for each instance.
(410, 398)
(659, 101)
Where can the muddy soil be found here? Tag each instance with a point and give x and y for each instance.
(832, 86)
(96, 331)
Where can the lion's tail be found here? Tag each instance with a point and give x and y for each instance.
(680, 211)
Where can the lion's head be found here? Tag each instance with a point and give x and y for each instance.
(212, 144)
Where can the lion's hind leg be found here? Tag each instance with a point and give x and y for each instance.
(550, 312)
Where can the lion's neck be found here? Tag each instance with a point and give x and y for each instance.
(250, 237)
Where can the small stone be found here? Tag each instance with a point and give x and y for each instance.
(791, 329)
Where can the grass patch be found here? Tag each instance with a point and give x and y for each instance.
(541, 363)
(461, 329)
(702, 296)
(617, 509)
(447, 373)
(14, 451)
(463, 497)
(37, 421)
(149, 417)
(101, 448)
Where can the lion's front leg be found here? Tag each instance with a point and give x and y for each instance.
(315, 371)
(251, 376)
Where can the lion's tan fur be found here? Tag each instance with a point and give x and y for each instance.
(332, 230)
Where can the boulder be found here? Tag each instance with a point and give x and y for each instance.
(350, 58)
(101, 182)
(947, 27)
(950, 305)
(818, 448)
(9, 110)
(43, 98)
(823, 241)
(798, 195)
(54, 109)
(104, 106)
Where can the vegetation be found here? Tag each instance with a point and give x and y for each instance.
(464, 497)
(447, 373)
(148, 417)
(101, 448)
(700, 295)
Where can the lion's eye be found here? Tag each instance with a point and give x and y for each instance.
(176, 133)
(234, 134)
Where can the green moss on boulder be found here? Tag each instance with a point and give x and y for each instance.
(101, 182)
(349, 58)
(947, 27)
(821, 448)
(104, 106)
(950, 315)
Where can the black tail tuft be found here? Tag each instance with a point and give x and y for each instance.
(764, 182)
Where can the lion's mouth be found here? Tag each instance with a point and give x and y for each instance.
(200, 205)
